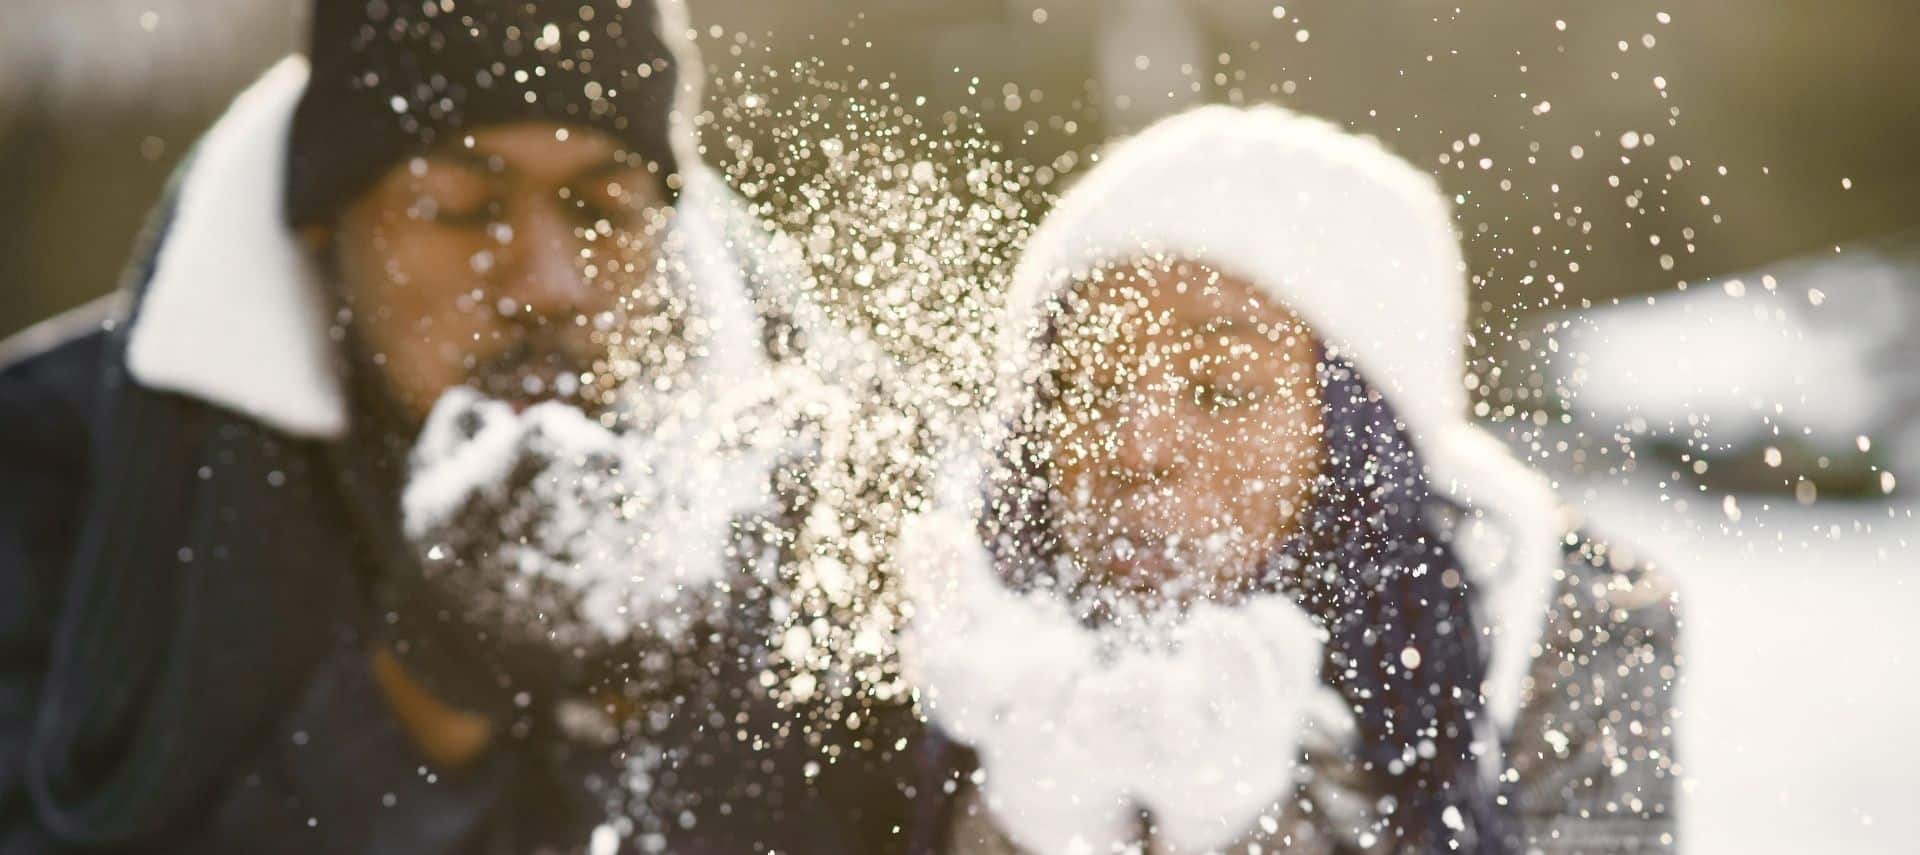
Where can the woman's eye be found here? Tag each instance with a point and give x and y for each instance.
(1219, 397)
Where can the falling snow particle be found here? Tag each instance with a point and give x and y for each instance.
(1805, 492)
(605, 841)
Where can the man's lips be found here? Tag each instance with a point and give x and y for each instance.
(525, 388)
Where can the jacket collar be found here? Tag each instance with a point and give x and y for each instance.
(234, 314)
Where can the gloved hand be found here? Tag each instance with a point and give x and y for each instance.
(550, 533)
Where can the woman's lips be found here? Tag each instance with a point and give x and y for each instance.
(1155, 561)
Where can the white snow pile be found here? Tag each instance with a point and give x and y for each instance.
(1806, 350)
(589, 535)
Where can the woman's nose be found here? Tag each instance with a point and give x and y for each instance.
(1147, 444)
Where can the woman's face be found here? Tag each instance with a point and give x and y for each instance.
(1185, 428)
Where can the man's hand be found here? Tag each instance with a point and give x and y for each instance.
(551, 528)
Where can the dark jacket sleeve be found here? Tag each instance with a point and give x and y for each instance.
(45, 400)
(1593, 746)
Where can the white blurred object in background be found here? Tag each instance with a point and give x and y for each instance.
(1797, 609)
(1816, 353)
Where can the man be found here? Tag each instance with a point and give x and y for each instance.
(213, 634)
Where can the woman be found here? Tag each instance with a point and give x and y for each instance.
(1228, 564)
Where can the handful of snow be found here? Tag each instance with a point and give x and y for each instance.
(553, 528)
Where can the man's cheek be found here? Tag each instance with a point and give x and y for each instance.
(462, 338)
(425, 367)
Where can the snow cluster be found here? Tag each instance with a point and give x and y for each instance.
(589, 534)
(1195, 715)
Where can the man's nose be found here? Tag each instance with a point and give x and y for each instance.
(546, 271)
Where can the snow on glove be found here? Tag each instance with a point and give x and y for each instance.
(553, 529)
(1198, 721)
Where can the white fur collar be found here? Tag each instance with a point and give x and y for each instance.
(235, 314)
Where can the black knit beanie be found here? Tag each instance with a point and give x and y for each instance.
(393, 77)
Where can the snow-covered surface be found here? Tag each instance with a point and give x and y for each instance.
(1800, 689)
(1808, 345)
(1764, 358)
(1798, 698)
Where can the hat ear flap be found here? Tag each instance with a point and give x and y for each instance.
(1512, 543)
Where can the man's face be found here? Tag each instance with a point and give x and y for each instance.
(512, 260)
(1186, 429)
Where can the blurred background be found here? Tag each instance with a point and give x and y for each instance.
(1691, 226)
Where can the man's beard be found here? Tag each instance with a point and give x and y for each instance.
(650, 344)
